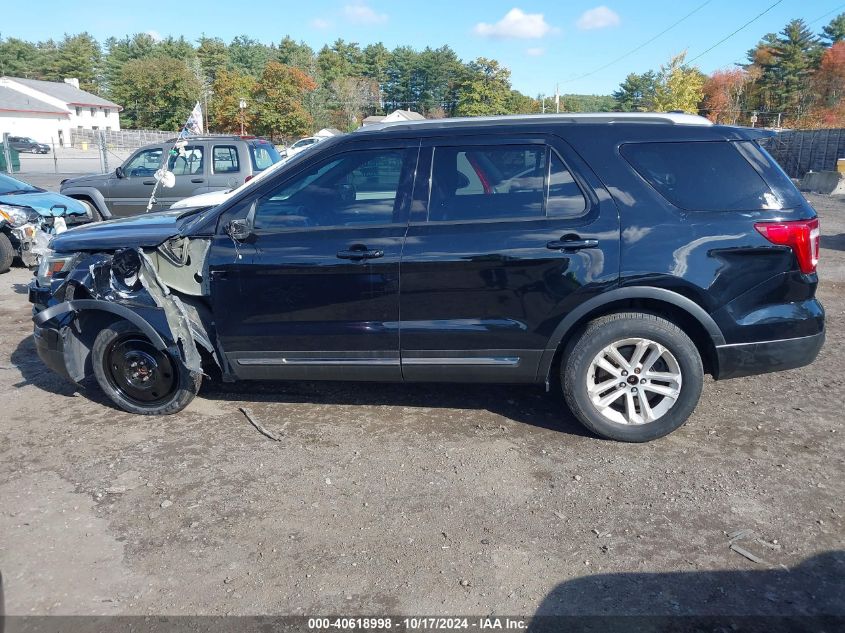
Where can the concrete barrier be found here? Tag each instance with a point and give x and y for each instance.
(829, 182)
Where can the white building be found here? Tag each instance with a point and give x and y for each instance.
(394, 117)
(47, 110)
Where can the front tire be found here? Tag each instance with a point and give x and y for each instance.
(7, 253)
(632, 377)
(136, 376)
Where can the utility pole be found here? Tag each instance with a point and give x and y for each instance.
(557, 98)
(242, 105)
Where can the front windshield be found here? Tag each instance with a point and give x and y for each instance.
(13, 185)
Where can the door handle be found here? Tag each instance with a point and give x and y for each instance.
(149, 182)
(573, 243)
(197, 180)
(358, 252)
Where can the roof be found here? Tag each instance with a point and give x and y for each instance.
(65, 92)
(13, 101)
(406, 115)
(664, 118)
(373, 118)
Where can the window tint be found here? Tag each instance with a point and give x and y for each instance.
(144, 163)
(263, 156)
(565, 197)
(701, 176)
(475, 183)
(188, 162)
(225, 159)
(354, 188)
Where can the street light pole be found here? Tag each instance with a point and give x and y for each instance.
(242, 105)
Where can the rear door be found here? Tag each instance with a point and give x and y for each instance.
(511, 235)
(190, 171)
(229, 163)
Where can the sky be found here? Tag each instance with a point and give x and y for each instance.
(573, 43)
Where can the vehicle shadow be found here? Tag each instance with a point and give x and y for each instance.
(528, 404)
(833, 242)
(808, 597)
(20, 289)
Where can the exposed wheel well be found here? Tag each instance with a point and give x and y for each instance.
(691, 326)
(87, 199)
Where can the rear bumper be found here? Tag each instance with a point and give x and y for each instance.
(747, 359)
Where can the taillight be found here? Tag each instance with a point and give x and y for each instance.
(802, 236)
(247, 179)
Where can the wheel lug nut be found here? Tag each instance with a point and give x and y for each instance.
(643, 381)
(637, 370)
(633, 390)
(622, 385)
(624, 373)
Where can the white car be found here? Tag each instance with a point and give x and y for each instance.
(302, 144)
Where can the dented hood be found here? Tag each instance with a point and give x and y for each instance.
(141, 231)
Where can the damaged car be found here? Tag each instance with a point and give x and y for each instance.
(28, 215)
(620, 256)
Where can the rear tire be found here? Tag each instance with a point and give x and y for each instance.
(632, 377)
(7, 253)
(137, 377)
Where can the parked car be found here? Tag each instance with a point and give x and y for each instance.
(26, 144)
(301, 144)
(212, 198)
(207, 163)
(621, 256)
(25, 211)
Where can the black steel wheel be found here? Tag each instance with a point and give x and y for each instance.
(138, 377)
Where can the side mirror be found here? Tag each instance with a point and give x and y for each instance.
(118, 171)
(239, 230)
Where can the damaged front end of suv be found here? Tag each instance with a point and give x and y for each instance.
(134, 317)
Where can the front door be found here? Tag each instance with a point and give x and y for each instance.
(129, 195)
(313, 292)
(511, 237)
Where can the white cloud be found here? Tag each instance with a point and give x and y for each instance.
(518, 25)
(320, 23)
(155, 35)
(598, 18)
(535, 51)
(362, 13)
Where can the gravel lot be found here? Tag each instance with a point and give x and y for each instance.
(421, 499)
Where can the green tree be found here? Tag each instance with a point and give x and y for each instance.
(679, 87)
(834, 31)
(279, 102)
(213, 56)
(518, 103)
(76, 56)
(121, 51)
(18, 58)
(249, 56)
(156, 93)
(486, 89)
(296, 54)
(637, 93)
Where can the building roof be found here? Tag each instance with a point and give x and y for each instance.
(13, 101)
(373, 118)
(65, 92)
(404, 115)
(651, 118)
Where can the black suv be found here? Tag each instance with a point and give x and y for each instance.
(26, 144)
(623, 256)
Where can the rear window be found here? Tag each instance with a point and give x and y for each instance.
(263, 155)
(705, 175)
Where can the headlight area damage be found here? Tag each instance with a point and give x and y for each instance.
(159, 291)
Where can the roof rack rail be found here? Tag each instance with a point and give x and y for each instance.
(664, 118)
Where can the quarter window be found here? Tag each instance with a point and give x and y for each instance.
(565, 197)
(226, 159)
(353, 189)
(701, 175)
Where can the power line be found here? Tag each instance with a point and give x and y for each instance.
(826, 14)
(727, 37)
(641, 46)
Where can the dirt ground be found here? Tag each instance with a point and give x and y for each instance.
(395, 499)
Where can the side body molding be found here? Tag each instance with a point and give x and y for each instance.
(625, 294)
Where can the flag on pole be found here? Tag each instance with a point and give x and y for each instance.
(194, 123)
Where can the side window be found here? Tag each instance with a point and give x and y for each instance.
(263, 156)
(225, 159)
(701, 175)
(187, 163)
(565, 199)
(359, 187)
(144, 163)
(479, 182)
